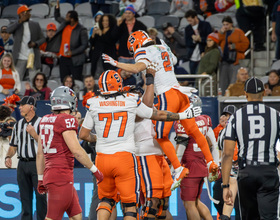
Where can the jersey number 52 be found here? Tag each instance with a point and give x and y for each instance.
(47, 137)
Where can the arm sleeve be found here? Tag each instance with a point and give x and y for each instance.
(243, 43)
(83, 43)
(14, 140)
(179, 38)
(41, 39)
(215, 150)
(230, 133)
(88, 121)
(13, 27)
(144, 111)
(17, 81)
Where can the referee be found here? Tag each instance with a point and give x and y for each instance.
(256, 129)
(24, 142)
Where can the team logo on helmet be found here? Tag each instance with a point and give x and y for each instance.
(136, 40)
(64, 98)
(110, 82)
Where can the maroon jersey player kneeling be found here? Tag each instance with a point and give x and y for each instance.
(57, 147)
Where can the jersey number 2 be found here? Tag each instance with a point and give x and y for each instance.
(166, 62)
(110, 117)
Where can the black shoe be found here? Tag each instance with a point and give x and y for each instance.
(224, 217)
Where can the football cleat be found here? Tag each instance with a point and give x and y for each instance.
(179, 176)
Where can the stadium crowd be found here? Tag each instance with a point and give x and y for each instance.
(121, 63)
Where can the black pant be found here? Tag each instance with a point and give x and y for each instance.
(218, 195)
(259, 191)
(252, 20)
(66, 68)
(27, 181)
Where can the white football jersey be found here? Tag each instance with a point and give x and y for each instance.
(145, 142)
(165, 78)
(114, 121)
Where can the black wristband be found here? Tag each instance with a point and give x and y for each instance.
(225, 186)
(149, 79)
(7, 157)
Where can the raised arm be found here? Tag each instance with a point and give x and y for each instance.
(133, 68)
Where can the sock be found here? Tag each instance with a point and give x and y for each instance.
(169, 151)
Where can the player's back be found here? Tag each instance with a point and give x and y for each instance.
(165, 78)
(114, 122)
(145, 142)
(57, 154)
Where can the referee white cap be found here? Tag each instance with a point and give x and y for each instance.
(253, 85)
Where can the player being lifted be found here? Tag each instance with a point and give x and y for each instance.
(57, 146)
(113, 114)
(171, 96)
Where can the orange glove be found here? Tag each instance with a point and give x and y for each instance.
(213, 171)
(212, 167)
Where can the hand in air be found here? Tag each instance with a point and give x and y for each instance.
(108, 59)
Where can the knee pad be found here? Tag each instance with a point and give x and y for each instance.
(126, 213)
(110, 202)
(148, 209)
(224, 217)
(163, 206)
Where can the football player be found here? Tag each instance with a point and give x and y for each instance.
(57, 146)
(193, 159)
(171, 96)
(113, 114)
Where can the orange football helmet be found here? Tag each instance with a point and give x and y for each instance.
(110, 82)
(136, 40)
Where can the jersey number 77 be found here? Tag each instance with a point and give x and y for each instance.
(113, 116)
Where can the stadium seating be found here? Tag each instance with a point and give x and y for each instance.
(10, 12)
(275, 65)
(160, 7)
(53, 84)
(174, 20)
(64, 8)
(88, 23)
(40, 10)
(84, 10)
(149, 21)
(4, 22)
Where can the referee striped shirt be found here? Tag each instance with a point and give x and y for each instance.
(25, 143)
(256, 129)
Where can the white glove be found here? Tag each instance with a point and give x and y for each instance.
(153, 66)
(190, 112)
(108, 59)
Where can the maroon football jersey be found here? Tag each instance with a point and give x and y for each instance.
(59, 161)
(193, 157)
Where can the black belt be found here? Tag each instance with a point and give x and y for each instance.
(256, 163)
(26, 159)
